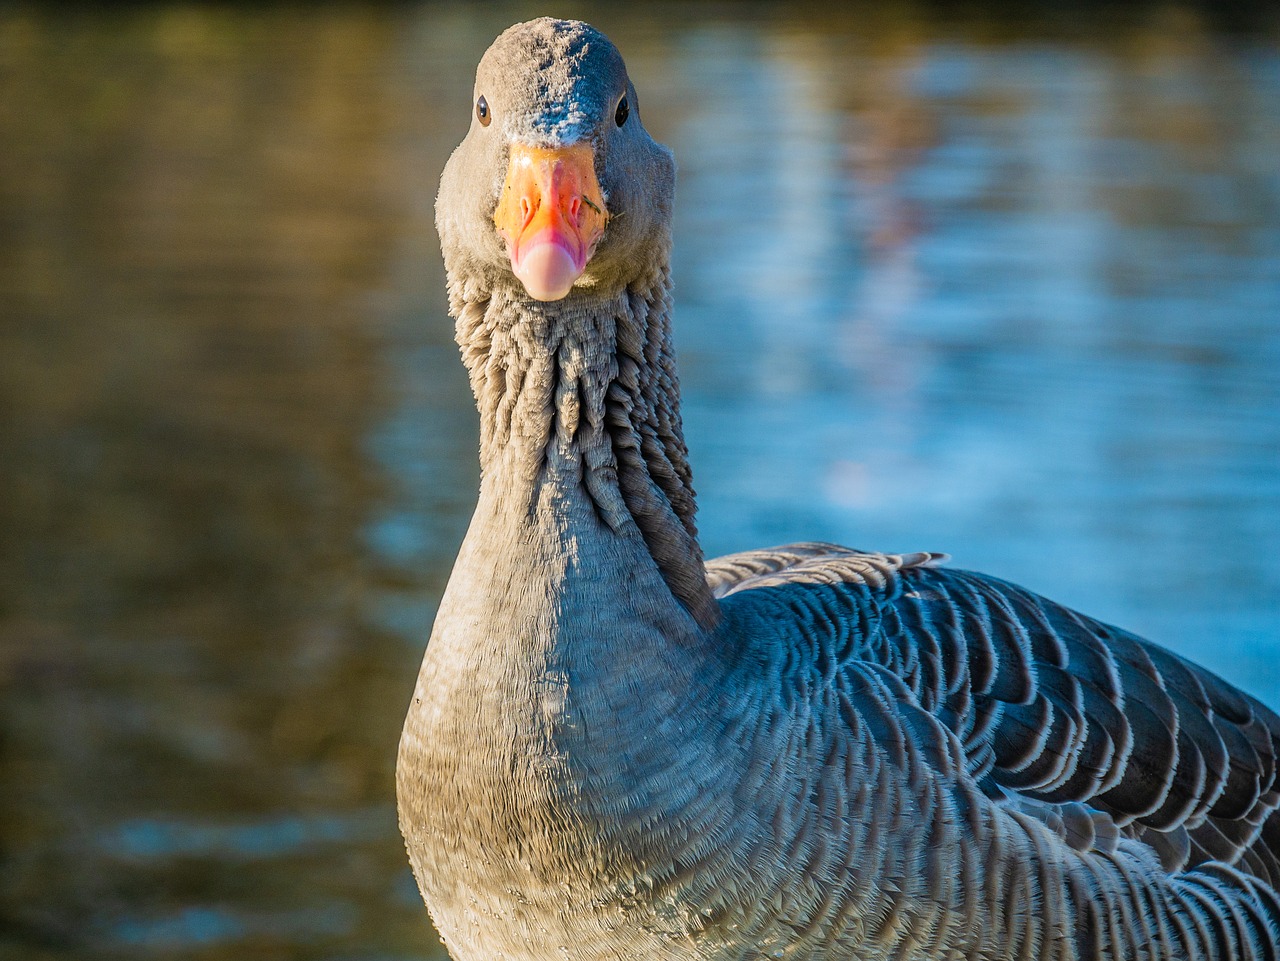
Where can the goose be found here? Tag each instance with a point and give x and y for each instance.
(619, 750)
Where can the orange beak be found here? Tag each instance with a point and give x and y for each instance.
(552, 215)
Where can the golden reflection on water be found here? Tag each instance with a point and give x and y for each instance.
(212, 222)
(236, 447)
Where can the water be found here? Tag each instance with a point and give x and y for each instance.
(991, 283)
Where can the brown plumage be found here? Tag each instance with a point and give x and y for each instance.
(616, 751)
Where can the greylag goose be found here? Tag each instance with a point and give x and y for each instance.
(616, 750)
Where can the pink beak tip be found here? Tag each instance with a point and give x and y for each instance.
(547, 270)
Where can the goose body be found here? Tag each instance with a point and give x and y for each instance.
(616, 750)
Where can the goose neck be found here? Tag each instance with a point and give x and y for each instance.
(579, 404)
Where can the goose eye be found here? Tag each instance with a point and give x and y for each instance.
(623, 111)
(482, 112)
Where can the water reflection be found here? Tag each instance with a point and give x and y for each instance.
(985, 286)
(1054, 320)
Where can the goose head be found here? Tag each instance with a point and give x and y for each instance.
(557, 190)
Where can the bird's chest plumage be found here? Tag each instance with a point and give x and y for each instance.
(550, 774)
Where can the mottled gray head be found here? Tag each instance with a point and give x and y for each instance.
(557, 189)
(550, 83)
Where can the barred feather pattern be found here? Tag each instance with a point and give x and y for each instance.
(1085, 793)
(616, 752)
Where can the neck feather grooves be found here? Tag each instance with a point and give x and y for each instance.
(585, 393)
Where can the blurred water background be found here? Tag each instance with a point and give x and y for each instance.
(1001, 280)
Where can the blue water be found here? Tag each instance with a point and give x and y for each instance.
(998, 284)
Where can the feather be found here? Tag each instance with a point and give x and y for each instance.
(618, 751)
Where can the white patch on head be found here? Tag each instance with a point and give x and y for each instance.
(564, 117)
(563, 121)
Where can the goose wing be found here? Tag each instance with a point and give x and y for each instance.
(1089, 727)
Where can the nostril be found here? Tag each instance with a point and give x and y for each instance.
(526, 209)
(574, 206)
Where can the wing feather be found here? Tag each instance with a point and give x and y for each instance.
(1089, 728)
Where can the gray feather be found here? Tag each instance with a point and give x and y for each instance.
(616, 751)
